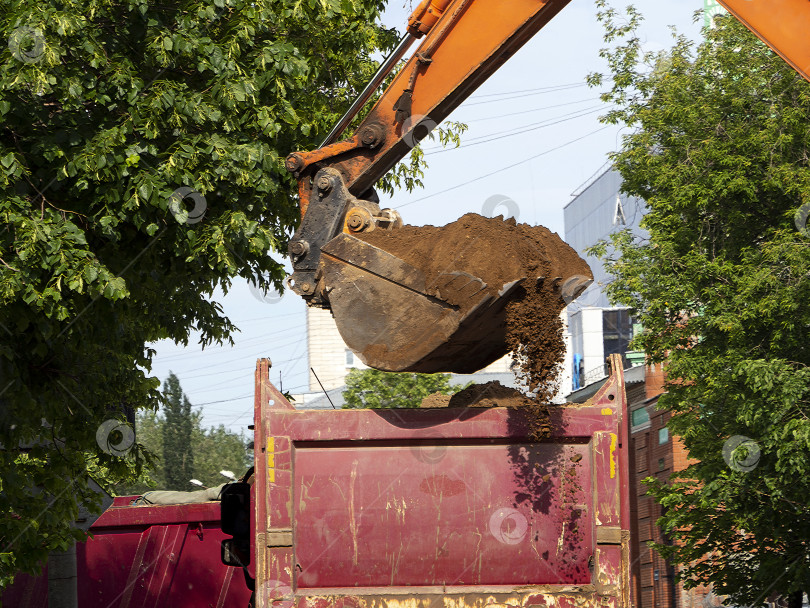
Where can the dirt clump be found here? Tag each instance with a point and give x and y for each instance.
(537, 417)
(436, 400)
(491, 394)
(494, 394)
(534, 334)
(495, 250)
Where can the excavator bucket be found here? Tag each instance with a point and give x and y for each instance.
(398, 319)
(427, 298)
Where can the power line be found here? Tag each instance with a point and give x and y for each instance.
(556, 105)
(515, 164)
(222, 400)
(220, 348)
(527, 92)
(232, 359)
(517, 130)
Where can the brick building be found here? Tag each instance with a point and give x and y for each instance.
(656, 454)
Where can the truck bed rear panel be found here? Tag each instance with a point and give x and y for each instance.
(477, 514)
(446, 508)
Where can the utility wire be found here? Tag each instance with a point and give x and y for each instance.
(221, 400)
(234, 358)
(525, 93)
(556, 105)
(515, 164)
(220, 348)
(516, 131)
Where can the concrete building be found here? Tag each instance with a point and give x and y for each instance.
(596, 328)
(328, 354)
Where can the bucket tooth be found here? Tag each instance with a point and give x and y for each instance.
(573, 287)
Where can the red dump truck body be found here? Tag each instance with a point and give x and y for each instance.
(427, 508)
(165, 556)
(448, 508)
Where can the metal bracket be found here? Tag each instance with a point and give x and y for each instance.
(370, 136)
(330, 199)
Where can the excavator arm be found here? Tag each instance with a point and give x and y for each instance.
(392, 315)
(464, 42)
(389, 312)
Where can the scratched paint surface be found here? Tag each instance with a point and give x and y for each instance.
(159, 556)
(392, 515)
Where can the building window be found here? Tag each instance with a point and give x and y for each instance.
(578, 375)
(349, 358)
(617, 331)
(639, 417)
(663, 435)
(661, 464)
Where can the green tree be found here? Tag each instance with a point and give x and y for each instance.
(178, 453)
(217, 449)
(719, 147)
(373, 388)
(141, 168)
(149, 433)
(214, 449)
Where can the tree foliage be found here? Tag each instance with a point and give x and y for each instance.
(141, 168)
(373, 388)
(719, 149)
(213, 449)
(178, 453)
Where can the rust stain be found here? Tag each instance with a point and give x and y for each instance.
(542, 596)
(353, 520)
(442, 485)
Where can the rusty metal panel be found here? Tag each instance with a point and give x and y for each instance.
(445, 508)
(481, 514)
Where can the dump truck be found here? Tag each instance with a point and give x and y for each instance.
(435, 508)
(156, 556)
(391, 508)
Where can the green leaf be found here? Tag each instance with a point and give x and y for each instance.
(145, 190)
